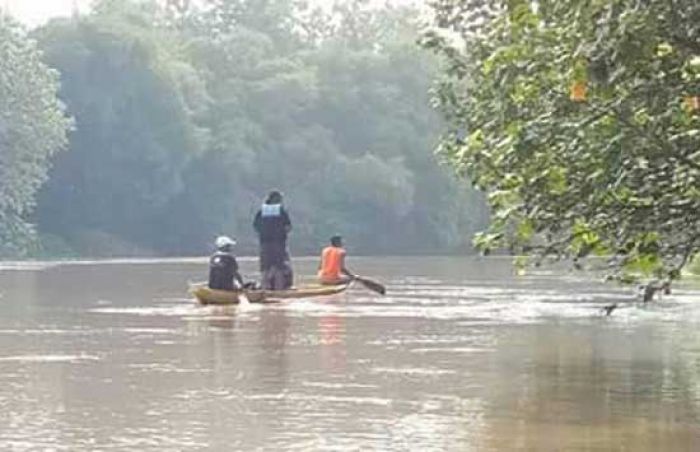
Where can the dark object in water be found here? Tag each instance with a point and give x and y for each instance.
(609, 309)
(650, 290)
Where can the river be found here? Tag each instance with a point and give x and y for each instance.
(461, 355)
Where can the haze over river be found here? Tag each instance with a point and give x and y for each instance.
(459, 356)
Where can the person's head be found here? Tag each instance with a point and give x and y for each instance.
(224, 243)
(337, 241)
(274, 197)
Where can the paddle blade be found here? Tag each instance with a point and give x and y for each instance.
(373, 285)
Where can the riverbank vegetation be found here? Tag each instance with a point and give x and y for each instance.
(33, 126)
(581, 120)
(186, 115)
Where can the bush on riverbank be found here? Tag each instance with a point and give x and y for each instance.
(694, 266)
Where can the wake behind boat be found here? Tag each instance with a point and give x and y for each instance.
(208, 296)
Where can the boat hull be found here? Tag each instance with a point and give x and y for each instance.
(207, 296)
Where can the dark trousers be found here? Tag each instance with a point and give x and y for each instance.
(278, 278)
(273, 254)
(275, 266)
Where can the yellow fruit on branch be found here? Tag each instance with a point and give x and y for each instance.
(577, 92)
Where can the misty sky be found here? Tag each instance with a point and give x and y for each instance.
(36, 12)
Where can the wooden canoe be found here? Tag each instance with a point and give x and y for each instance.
(207, 296)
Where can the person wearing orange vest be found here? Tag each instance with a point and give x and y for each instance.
(332, 269)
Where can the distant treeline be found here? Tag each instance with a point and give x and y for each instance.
(184, 118)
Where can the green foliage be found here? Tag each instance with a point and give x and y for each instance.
(341, 125)
(32, 127)
(694, 266)
(135, 128)
(571, 116)
(186, 118)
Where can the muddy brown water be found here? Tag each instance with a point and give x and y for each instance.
(459, 356)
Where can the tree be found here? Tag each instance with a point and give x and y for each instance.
(580, 120)
(341, 123)
(275, 18)
(136, 103)
(188, 114)
(374, 95)
(33, 126)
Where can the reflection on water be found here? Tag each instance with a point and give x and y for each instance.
(460, 356)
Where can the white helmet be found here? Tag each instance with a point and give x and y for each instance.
(223, 242)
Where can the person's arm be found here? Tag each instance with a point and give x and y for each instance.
(286, 220)
(343, 268)
(236, 274)
(257, 221)
(320, 260)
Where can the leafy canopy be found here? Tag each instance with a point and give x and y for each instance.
(33, 126)
(580, 120)
(188, 113)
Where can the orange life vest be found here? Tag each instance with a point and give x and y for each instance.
(331, 264)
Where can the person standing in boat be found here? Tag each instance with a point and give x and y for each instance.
(332, 270)
(223, 267)
(272, 225)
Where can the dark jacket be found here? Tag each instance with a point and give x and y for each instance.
(223, 268)
(272, 224)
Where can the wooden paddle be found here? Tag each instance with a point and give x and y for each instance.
(371, 284)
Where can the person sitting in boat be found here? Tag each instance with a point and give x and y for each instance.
(332, 270)
(273, 225)
(223, 267)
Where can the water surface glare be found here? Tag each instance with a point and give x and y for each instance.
(460, 356)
